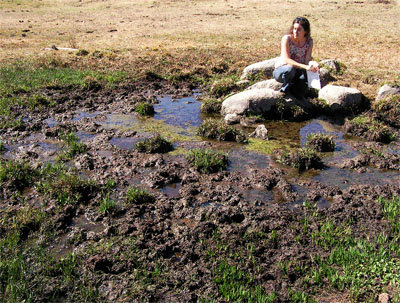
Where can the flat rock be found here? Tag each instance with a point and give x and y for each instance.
(255, 101)
(340, 98)
(270, 83)
(266, 67)
(386, 91)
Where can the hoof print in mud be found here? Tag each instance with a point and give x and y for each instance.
(99, 263)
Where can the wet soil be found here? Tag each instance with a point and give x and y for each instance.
(196, 221)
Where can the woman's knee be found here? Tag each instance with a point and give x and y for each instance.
(284, 73)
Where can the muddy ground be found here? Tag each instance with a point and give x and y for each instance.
(248, 224)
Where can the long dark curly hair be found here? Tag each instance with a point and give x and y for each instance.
(304, 23)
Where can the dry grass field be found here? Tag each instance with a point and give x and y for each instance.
(192, 34)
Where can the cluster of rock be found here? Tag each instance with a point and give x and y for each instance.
(264, 97)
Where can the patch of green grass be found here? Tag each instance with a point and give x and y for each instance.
(391, 210)
(74, 146)
(156, 144)
(320, 142)
(25, 77)
(302, 158)
(388, 110)
(370, 128)
(266, 146)
(66, 188)
(211, 106)
(136, 195)
(144, 109)
(217, 129)
(235, 285)
(16, 174)
(21, 83)
(224, 86)
(374, 151)
(37, 101)
(107, 206)
(362, 265)
(30, 273)
(300, 297)
(207, 161)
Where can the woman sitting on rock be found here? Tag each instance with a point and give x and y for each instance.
(295, 60)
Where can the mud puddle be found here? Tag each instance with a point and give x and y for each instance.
(180, 117)
(172, 190)
(183, 113)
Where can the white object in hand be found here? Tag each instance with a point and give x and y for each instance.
(313, 80)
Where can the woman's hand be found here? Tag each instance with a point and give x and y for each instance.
(313, 66)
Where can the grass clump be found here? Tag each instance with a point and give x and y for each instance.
(388, 110)
(66, 188)
(30, 273)
(207, 161)
(217, 129)
(320, 142)
(366, 127)
(211, 106)
(136, 195)
(302, 158)
(144, 109)
(362, 265)
(156, 144)
(37, 101)
(17, 175)
(235, 285)
(2, 147)
(223, 86)
(107, 206)
(74, 146)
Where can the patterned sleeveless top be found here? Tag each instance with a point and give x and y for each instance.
(297, 53)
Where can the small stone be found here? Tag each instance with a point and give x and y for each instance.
(331, 64)
(387, 91)
(384, 298)
(261, 132)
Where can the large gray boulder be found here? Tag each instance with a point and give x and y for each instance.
(266, 67)
(255, 101)
(341, 98)
(386, 91)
